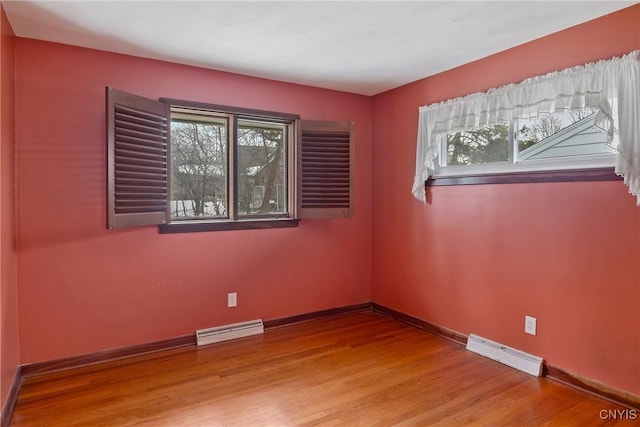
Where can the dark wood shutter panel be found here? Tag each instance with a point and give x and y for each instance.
(325, 170)
(138, 161)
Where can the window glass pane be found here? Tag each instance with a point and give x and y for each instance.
(562, 134)
(484, 145)
(198, 168)
(262, 176)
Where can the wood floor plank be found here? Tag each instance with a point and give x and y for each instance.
(354, 369)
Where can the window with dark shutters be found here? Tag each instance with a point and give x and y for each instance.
(260, 146)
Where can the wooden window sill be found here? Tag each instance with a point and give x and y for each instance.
(572, 175)
(199, 226)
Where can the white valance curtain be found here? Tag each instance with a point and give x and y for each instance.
(612, 87)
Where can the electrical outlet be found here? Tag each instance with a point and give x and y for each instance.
(530, 325)
(232, 299)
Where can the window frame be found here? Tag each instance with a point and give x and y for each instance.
(550, 167)
(556, 175)
(289, 161)
(234, 221)
(200, 118)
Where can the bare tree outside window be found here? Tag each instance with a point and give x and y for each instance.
(538, 129)
(541, 127)
(198, 163)
(261, 168)
(484, 145)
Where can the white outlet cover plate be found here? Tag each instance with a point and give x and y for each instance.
(232, 299)
(530, 325)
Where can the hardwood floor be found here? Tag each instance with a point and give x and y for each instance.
(355, 369)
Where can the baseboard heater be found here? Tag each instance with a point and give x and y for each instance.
(506, 355)
(229, 332)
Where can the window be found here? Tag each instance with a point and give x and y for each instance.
(195, 167)
(262, 168)
(560, 140)
(229, 165)
(608, 87)
(199, 170)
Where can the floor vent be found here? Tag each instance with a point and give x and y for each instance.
(229, 332)
(506, 355)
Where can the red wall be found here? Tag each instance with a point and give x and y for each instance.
(480, 258)
(84, 288)
(9, 357)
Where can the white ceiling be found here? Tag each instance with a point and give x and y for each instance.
(363, 47)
